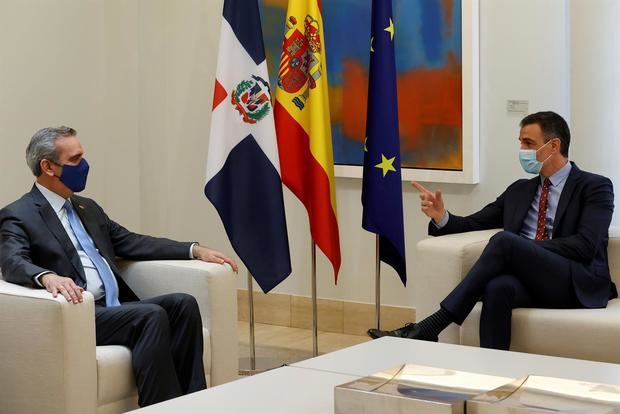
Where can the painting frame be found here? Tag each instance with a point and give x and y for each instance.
(470, 112)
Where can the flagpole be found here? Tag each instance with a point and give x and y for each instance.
(251, 312)
(377, 284)
(253, 365)
(315, 338)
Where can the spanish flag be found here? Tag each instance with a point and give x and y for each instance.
(303, 126)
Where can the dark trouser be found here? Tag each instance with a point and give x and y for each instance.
(512, 272)
(166, 342)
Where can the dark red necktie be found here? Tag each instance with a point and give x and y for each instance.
(541, 228)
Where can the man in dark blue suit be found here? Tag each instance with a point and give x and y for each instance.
(552, 252)
(53, 239)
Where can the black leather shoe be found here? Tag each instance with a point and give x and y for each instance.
(411, 331)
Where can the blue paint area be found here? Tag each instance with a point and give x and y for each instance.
(346, 150)
(456, 40)
(422, 40)
(347, 33)
(431, 30)
(410, 52)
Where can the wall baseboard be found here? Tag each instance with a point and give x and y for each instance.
(336, 316)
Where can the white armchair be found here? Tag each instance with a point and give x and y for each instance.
(592, 334)
(48, 358)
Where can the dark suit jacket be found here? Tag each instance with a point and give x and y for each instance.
(580, 229)
(33, 240)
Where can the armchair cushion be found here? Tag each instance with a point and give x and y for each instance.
(115, 379)
(47, 352)
(213, 286)
(49, 359)
(591, 334)
(442, 262)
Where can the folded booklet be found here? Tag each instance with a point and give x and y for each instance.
(413, 389)
(535, 394)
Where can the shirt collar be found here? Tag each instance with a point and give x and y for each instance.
(56, 201)
(560, 175)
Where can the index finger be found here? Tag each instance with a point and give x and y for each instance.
(64, 292)
(419, 187)
(232, 264)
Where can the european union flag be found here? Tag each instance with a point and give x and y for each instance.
(382, 196)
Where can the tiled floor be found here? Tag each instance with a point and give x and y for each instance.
(291, 344)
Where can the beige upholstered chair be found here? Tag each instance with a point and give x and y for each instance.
(592, 334)
(48, 359)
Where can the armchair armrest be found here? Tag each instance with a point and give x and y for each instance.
(442, 264)
(47, 352)
(214, 288)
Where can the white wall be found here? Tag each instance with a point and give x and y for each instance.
(135, 77)
(48, 76)
(595, 87)
(53, 71)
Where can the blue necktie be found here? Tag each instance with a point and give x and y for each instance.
(111, 293)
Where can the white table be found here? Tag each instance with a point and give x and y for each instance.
(374, 356)
(308, 386)
(286, 390)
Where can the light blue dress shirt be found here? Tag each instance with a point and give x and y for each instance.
(93, 280)
(555, 190)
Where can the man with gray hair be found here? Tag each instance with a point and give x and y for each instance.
(53, 239)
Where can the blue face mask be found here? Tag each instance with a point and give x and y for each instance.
(529, 162)
(74, 176)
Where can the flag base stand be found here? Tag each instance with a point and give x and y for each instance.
(246, 368)
(253, 365)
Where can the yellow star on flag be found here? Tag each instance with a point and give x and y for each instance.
(372, 39)
(365, 147)
(386, 164)
(390, 29)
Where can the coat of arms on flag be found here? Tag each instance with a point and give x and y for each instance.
(300, 63)
(252, 99)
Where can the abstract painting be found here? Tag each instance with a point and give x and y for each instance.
(429, 60)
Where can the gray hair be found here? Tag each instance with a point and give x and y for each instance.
(42, 146)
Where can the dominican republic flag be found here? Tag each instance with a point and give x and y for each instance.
(382, 193)
(243, 169)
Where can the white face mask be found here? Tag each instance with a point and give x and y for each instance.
(529, 162)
